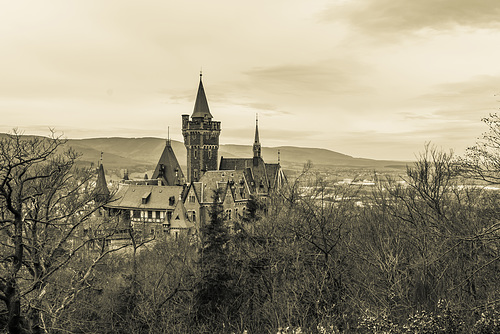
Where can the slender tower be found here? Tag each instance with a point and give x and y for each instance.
(201, 138)
(256, 144)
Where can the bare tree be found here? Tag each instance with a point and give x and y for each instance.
(46, 205)
(482, 161)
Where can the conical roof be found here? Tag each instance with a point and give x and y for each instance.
(101, 188)
(256, 141)
(201, 105)
(168, 168)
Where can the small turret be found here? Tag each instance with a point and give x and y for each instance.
(256, 145)
(101, 190)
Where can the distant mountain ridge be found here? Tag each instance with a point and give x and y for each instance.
(139, 154)
(143, 153)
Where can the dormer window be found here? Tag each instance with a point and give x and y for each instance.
(171, 200)
(145, 197)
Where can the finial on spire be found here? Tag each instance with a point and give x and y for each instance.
(201, 72)
(279, 158)
(256, 128)
(168, 135)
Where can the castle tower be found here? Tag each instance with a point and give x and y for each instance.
(256, 144)
(201, 138)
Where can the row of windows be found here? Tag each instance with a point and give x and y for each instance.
(195, 154)
(229, 213)
(151, 214)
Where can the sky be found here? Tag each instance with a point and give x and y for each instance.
(368, 78)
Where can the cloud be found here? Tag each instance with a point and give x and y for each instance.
(390, 17)
(269, 136)
(468, 100)
(331, 76)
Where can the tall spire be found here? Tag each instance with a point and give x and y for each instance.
(256, 144)
(201, 109)
(256, 141)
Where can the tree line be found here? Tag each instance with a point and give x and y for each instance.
(418, 256)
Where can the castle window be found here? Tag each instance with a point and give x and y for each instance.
(195, 153)
(169, 215)
(171, 200)
(192, 216)
(150, 214)
(192, 199)
(137, 214)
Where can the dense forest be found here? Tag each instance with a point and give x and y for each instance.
(420, 254)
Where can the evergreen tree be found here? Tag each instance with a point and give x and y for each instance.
(213, 294)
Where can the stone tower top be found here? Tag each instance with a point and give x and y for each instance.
(201, 109)
(201, 138)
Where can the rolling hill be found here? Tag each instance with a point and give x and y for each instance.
(139, 154)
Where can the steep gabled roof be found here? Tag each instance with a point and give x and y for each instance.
(179, 218)
(168, 168)
(276, 176)
(201, 109)
(261, 177)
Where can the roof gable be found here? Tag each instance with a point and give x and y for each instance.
(168, 168)
(179, 218)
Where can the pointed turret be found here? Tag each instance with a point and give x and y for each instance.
(256, 144)
(201, 109)
(101, 188)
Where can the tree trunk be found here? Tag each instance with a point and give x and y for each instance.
(14, 308)
(12, 290)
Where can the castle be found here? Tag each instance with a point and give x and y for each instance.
(168, 203)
